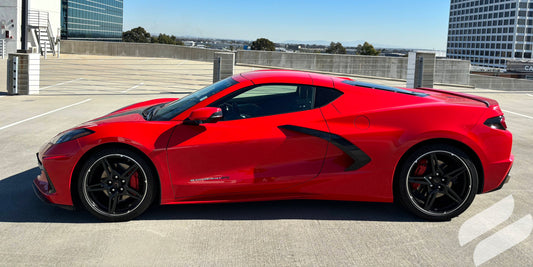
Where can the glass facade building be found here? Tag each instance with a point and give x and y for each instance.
(490, 32)
(97, 20)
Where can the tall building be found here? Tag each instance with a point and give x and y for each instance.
(92, 20)
(490, 32)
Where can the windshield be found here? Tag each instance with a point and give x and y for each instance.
(174, 108)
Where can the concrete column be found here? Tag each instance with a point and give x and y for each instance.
(420, 70)
(23, 77)
(223, 65)
(3, 75)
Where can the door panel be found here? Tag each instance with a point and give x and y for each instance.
(245, 155)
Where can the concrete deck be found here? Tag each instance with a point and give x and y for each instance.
(290, 233)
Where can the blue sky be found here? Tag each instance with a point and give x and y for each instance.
(408, 24)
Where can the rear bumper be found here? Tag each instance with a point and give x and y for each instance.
(505, 180)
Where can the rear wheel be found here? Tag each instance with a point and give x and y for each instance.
(437, 182)
(116, 185)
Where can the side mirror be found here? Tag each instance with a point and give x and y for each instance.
(204, 115)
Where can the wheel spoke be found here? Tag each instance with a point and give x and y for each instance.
(453, 175)
(430, 200)
(451, 194)
(96, 187)
(434, 163)
(107, 167)
(129, 172)
(132, 193)
(419, 180)
(112, 204)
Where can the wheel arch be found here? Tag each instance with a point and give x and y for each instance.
(86, 155)
(469, 151)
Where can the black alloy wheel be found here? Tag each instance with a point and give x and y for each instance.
(437, 182)
(116, 185)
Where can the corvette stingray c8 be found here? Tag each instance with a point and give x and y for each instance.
(275, 135)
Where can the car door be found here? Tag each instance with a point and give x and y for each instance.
(253, 148)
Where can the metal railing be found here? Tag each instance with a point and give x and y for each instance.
(38, 18)
(39, 21)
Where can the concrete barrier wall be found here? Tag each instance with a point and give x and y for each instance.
(388, 67)
(500, 83)
(447, 71)
(452, 71)
(137, 50)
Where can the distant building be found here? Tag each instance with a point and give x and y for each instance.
(97, 20)
(489, 33)
(46, 21)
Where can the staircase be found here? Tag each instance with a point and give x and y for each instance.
(41, 30)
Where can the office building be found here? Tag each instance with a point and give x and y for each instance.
(488, 33)
(98, 20)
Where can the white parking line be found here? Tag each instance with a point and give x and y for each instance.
(44, 114)
(518, 114)
(62, 83)
(133, 87)
(530, 95)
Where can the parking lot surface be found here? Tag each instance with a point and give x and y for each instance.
(77, 88)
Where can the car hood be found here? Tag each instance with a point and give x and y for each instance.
(129, 113)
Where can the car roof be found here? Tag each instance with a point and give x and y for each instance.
(284, 76)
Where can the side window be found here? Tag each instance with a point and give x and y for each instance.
(266, 100)
(325, 96)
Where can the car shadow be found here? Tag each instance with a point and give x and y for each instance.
(19, 204)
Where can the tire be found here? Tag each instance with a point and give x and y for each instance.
(437, 182)
(116, 184)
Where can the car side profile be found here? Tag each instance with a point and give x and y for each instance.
(277, 135)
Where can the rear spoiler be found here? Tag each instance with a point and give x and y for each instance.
(488, 102)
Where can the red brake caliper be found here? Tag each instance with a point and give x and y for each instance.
(134, 181)
(421, 168)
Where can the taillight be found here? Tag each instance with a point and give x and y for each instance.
(496, 123)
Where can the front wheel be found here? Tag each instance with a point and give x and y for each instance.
(116, 185)
(437, 182)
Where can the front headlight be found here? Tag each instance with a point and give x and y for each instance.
(71, 135)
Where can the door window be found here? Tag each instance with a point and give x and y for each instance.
(266, 100)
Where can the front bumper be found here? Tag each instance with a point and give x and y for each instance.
(44, 188)
(45, 199)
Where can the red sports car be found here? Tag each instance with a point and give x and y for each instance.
(274, 135)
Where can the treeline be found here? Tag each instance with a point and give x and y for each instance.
(140, 35)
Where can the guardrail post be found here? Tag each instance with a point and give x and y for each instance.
(23, 74)
(420, 70)
(223, 65)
